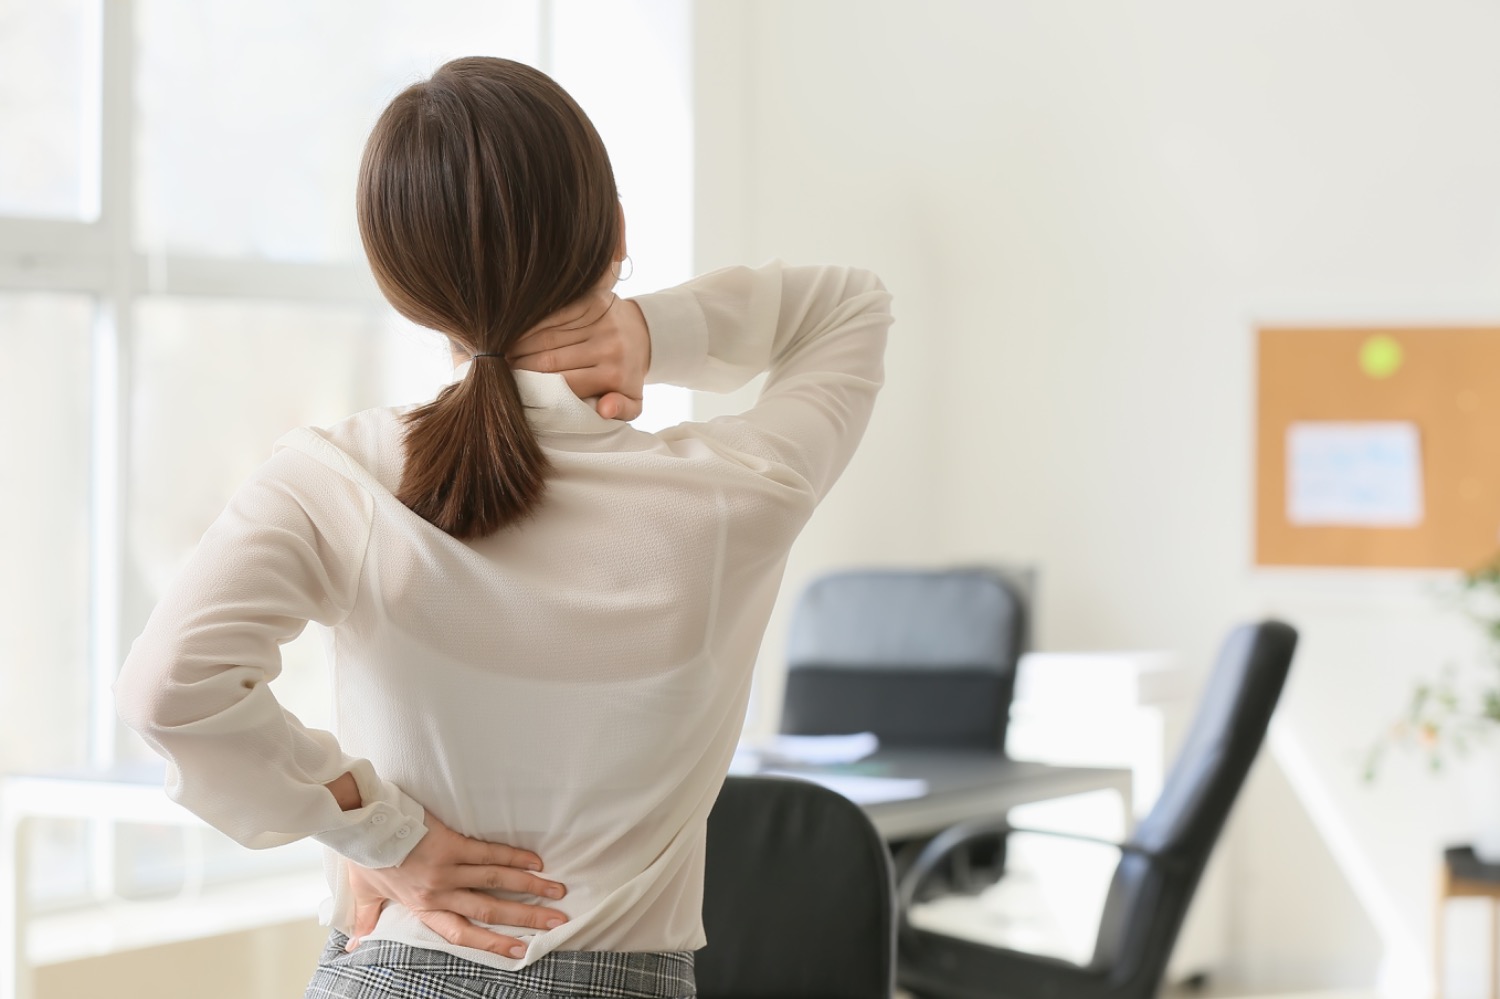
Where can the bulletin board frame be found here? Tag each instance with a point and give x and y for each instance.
(1444, 379)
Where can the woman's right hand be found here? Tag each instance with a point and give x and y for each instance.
(440, 882)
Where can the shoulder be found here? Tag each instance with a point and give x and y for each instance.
(365, 447)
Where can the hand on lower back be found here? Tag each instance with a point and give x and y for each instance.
(441, 882)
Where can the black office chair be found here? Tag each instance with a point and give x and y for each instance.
(798, 897)
(919, 657)
(1160, 863)
(924, 658)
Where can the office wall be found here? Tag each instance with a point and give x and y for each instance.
(1083, 210)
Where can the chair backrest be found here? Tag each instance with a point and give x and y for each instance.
(919, 657)
(798, 896)
(1156, 878)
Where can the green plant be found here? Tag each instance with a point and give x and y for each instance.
(1443, 720)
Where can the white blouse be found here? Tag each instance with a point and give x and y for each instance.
(573, 685)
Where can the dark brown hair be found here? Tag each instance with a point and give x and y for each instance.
(486, 202)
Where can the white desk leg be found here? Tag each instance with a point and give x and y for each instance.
(15, 968)
(1125, 785)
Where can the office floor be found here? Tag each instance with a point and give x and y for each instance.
(1215, 994)
(1230, 994)
(1018, 915)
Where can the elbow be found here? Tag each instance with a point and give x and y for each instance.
(151, 694)
(861, 281)
(866, 288)
(139, 699)
(166, 698)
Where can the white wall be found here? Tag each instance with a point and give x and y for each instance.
(1083, 209)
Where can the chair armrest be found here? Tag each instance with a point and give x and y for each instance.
(1126, 847)
(955, 837)
(938, 849)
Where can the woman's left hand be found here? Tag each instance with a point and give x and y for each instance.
(600, 344)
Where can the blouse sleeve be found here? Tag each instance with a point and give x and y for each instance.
(819, 333)
(287, 550)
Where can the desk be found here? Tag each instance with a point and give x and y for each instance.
(967, 785)
(1464, 875)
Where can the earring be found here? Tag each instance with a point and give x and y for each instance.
(625, 260)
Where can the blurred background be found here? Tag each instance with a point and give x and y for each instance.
(1084, 211)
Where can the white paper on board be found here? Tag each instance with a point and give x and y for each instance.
(1344, 474)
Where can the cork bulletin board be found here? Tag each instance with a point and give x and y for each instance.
(1378, 447)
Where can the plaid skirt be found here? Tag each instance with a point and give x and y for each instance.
(384, 969)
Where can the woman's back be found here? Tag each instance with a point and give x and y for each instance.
(574, 686)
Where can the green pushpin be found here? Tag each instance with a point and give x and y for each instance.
(1380, 356)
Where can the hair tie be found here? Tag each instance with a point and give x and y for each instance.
(471, 356)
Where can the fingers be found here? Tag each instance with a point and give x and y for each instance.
(545, 340)
(481, 852)
(618, 406)
(592, 382)
(498, 878)
(595, 383)
(603, 356)
(368, 903)
(366, 915)
(566, 358)
(458, 861)
(574, 317)
(483, 908)
(461, 933)
(450, 849)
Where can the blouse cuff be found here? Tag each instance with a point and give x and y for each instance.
(382, 831)
(679, 336)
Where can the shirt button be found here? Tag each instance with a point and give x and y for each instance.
(403, 832)
(377, 819)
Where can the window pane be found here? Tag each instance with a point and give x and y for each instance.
(49, 108)
(647, 126)
(253, 115)
(44, 529)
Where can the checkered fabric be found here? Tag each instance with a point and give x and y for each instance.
(385, 969)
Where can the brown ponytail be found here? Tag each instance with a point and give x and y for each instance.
(486, 202)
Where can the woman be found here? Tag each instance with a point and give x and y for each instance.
(542, 621)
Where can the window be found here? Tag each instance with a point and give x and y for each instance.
(49, 106)
(46, 340)
(181, 282)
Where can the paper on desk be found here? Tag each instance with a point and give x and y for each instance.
(860, 789)
(820, 750)
(804, 750)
